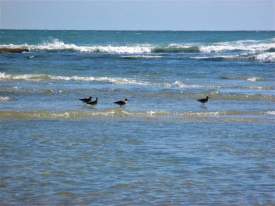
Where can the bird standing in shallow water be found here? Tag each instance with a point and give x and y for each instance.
(86, 100)
(121, 102)
(92, 102)
(203, 100)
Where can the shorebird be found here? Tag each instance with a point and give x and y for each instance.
(86, 100)
(203, 100)
(92, 102)
(121, 102)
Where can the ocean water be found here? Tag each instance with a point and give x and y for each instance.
(163, 147)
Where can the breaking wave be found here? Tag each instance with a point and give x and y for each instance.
(57, 45)
(45, 77)
(266, 57)
(249, 46)
(113, 80)
(254, 79)
(4, 99)
(179, 84)
(271, 112)
(252, 47)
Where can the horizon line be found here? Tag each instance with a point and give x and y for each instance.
(144, 30)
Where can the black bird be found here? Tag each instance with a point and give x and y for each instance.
(92, 102)
(121, 102)
(86, 100)
(203, 100)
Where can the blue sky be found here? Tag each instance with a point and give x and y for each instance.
(138, 14)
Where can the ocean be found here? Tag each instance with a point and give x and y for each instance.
(163, 147)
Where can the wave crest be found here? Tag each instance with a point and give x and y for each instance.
(266, 57)
(261, 51)
(44, 77)
(113, 80)
(271, 112)
(248, 45)
(4, 99)
(57, 45)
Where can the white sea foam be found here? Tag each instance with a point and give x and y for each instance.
(43, 77)
(254, 79)
(58, 45)
(266, 57)
(4, 99)
(250, 46)
(271, 112)
(181, 85)
(113, 80)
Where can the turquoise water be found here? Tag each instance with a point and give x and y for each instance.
(164, 147)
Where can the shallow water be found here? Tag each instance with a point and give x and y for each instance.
(164, 147)
(133, 161)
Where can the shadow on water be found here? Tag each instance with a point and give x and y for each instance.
(203, 106)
